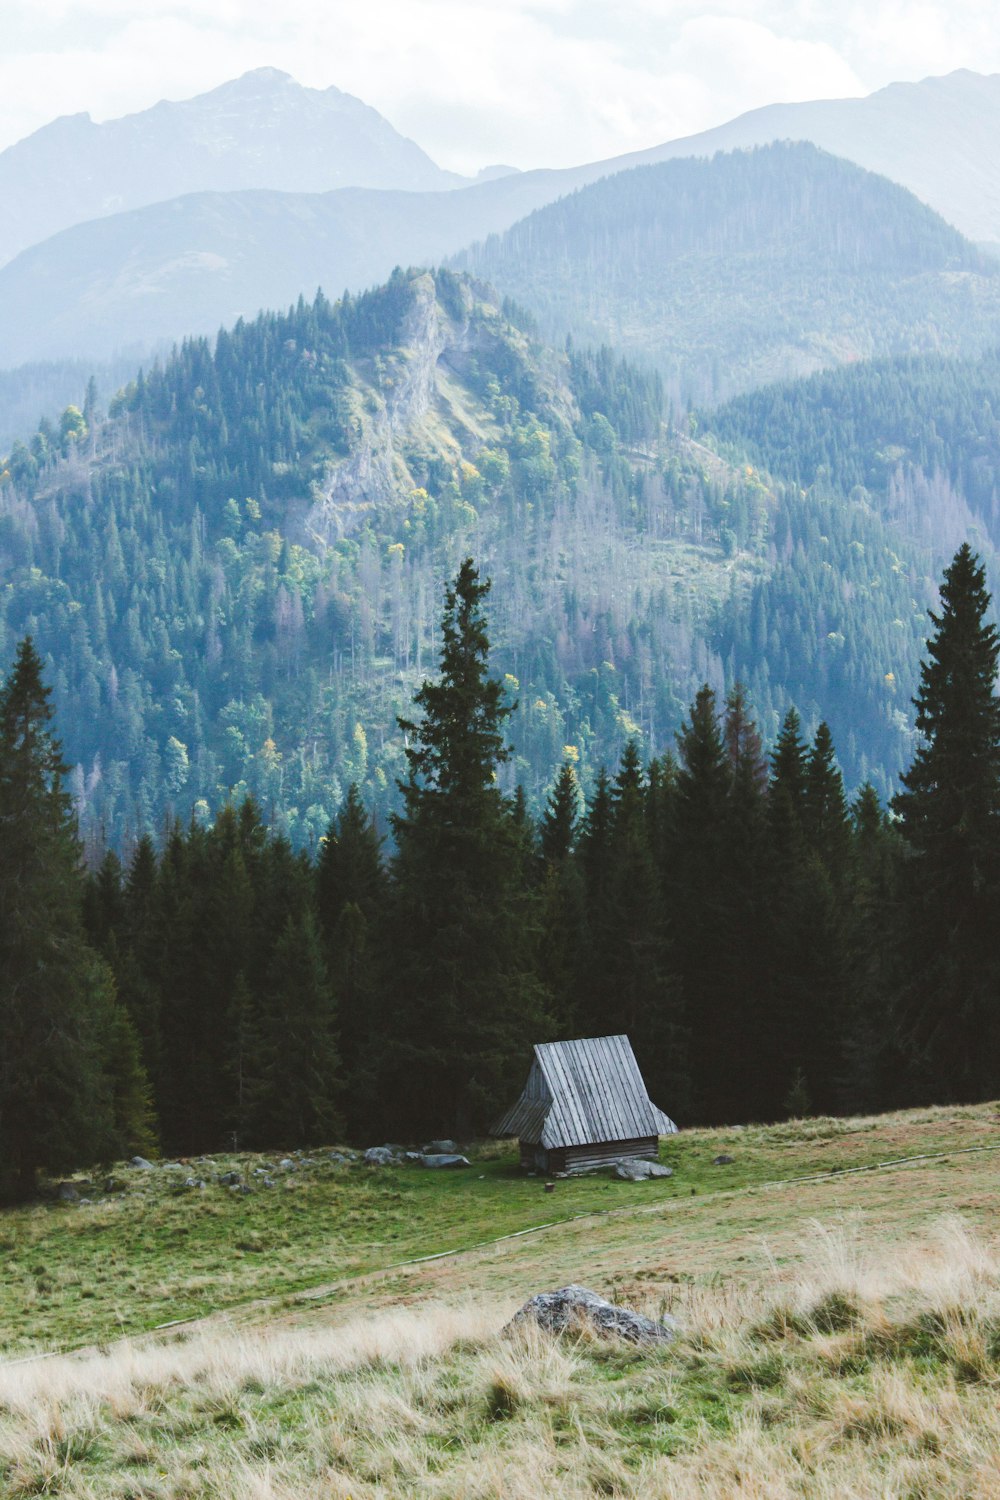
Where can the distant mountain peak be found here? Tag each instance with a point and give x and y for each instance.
(261, 130)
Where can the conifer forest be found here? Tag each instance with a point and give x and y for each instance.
(770, 945)
(396, 681)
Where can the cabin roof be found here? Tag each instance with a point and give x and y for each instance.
(581, 1092)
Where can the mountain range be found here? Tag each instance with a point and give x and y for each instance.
(235, 204)
(750, 267)
(263, 130)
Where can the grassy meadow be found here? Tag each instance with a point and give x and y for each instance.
(840, 1334)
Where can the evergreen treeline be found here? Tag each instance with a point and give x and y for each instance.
(769, 947)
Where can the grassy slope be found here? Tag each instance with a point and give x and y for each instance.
(837, 1340)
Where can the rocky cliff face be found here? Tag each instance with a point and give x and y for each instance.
(417, 396)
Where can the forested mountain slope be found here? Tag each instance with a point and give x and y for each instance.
(740, 270)
(263, 130)
(237, 573)
(748, 268)
(920, 435)
(936, 137)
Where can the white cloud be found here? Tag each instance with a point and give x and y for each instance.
(534, 82)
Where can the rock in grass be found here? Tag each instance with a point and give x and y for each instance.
(441, 1148)
(572, 1309)
(722, 1161)
(141, 1162)
(67, 1193)
(634, 1169)
(383, 1156)
(445, 1159)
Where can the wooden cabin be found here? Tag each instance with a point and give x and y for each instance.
(584, 1104)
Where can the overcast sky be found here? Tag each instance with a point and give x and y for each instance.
(528, 82)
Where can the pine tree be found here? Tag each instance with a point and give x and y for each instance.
(53, 1110)
(746, 916)
(694, 890)
(949, 814)
(872, 1066)
(561, 819)
(350, 868)
(809, 852)
(467, 1003)
(299, 1085)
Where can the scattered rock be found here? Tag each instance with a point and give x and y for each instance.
(230, 1179)
(269, 1182)
(722, 1161)
(287, 1165)
(443, 1159)
(382, 1156)
(634, 1169)
(194, 1182)
(140, 1161)
(113, 1185)
(67, 1193)
(339, 1159)
(573, 1308)
(240, 1187)
(441, 1148)
(171, 1166)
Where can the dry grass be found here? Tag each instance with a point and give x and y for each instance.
(871, 1369)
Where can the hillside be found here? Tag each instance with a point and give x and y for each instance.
(935, 137)
(748, 268)
(271, 570)
(187, 264)
(836, 1333)
(263, 130)
(920, 436)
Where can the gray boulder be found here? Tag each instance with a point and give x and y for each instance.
(67, 1193)
(230, 1179)
(141, 1162)
(633, 1169)
(287, 1165)
(381, 1156)
(573, 1308)
(722, 1161)
(445, 1159)
(441, 1148)
(194, 1182)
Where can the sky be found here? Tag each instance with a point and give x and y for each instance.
(476, 82)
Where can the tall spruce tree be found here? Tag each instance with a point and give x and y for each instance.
(694, 889)
(562, 917)
(54, 1108)
(298, 1083)
(949, 814)
(467, 1002)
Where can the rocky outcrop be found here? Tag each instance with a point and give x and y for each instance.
(574, 1309)
(372, 475)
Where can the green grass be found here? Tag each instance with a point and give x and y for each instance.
(72, 1275)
